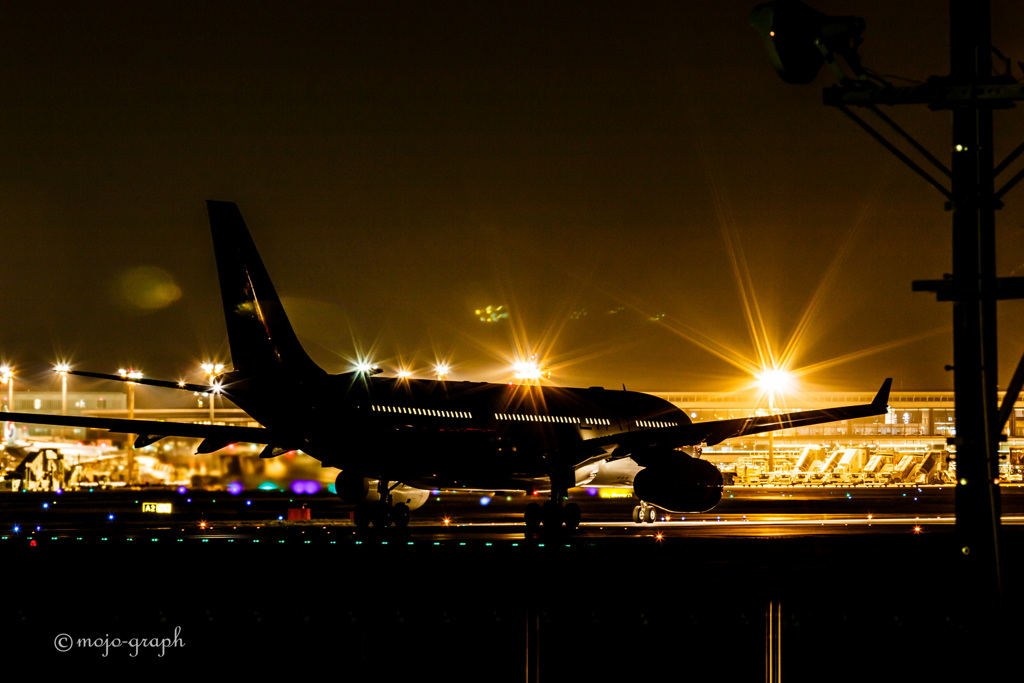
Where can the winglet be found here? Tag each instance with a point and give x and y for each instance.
(882, 397)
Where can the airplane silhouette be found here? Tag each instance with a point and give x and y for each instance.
(396, 439)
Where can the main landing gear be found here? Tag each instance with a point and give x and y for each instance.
(552, 516)
(555, 514)
(381, 513)
(645, 513)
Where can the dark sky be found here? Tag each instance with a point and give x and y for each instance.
(597, 168)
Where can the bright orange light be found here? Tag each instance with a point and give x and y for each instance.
(765, 347)
(212, 368)
(531, 370)
(527, 369)
(775, 380)
(365, 367)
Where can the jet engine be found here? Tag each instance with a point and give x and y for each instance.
(353, 488)
(679, 483)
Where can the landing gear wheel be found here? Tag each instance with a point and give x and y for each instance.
(650, 515)
(362, 515)
(552, 515)
(572, 515)
(400, 515)
(638, 515)
(532, 517)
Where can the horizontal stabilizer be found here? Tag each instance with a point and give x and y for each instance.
(151, 429)
(166, 384)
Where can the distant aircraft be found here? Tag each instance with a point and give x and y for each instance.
(396, 439)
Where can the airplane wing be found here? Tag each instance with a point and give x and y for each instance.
(150, 431)
(711, 433)
(185, 386)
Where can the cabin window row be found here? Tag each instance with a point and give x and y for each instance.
(655, 423)
(428, 412)
(522, 417)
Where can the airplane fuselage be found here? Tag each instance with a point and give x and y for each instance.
(442, 434)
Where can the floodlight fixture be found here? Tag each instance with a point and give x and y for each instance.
(801, 39)
(775, 380)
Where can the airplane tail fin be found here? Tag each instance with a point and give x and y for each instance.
(260, 336)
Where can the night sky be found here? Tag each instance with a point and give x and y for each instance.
(615, 175)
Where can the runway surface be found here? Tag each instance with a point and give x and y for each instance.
(87, 516)
(465, 592)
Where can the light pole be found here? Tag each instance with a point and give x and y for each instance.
(772, 381)
(212, 370)
(62, 369)
(130, 374)
(7, 378)
(800, 40)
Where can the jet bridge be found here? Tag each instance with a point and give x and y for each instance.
(44, 469)
(930, 469)
(904, 467)
(808, 456)
(832, 460)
